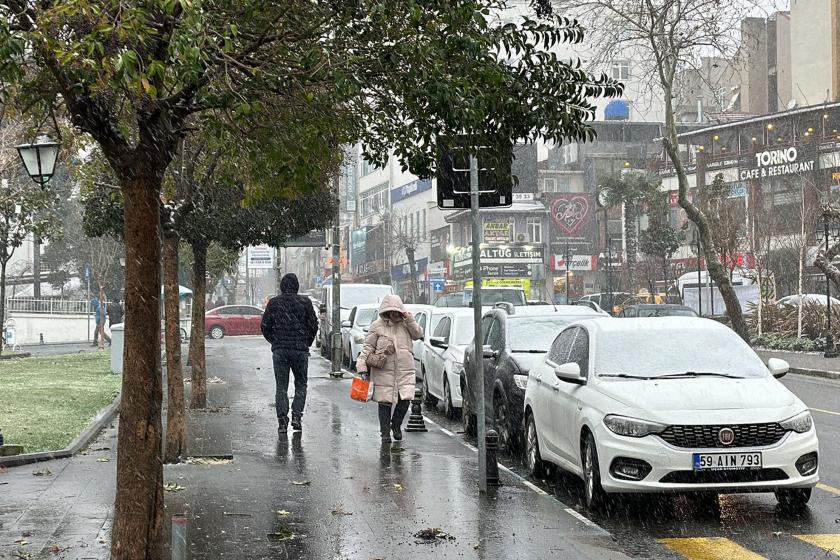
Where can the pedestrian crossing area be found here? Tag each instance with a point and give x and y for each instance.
(722, 548)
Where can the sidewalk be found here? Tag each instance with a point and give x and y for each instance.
(813, 364)
(332, 492)
(59, 348)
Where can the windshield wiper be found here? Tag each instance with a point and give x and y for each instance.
(693, 374)
(626, 376)
(529, 351)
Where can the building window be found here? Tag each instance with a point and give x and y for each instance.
(375, 199)
(368, 167)
(534, 230)
(621, 70)
(410, 230)
(550, 184)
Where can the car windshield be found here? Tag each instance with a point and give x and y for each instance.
(645, 352)
(527, 334)
(666, 312)
(359, 295)
(365, 317)
(464, 331)
(492, 296)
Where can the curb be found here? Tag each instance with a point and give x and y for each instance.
(103, 418)
(834, 375)
(17, 356)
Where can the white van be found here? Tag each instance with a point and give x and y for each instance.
(351, 296)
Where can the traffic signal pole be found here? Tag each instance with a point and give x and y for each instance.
(479, 348)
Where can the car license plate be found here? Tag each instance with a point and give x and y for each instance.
(726, 461)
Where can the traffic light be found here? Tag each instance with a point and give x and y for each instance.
(495, 181)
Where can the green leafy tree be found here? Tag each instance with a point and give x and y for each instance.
(290, 82)
(659, 241)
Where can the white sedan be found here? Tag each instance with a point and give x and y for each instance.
(354, 330)
(443, 357)
(672, 404)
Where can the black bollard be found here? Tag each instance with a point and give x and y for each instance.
(492, 439)
(415, 420)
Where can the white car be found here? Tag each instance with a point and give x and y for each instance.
(354, 330)
(818, 299)
(443, 357)
(422, 314)
(673, 404)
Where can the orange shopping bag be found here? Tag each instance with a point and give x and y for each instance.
(360, 389)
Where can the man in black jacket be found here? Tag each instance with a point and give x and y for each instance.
(290, 325)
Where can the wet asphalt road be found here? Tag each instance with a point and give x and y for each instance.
(736, 527)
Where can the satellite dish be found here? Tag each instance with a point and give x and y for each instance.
(791, 104)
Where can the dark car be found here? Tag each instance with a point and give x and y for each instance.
(657, 310)
(233, 320)
(515, 339)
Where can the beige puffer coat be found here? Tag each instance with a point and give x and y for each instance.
(396, 379)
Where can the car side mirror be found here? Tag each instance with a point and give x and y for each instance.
(778, 368)
(569, 373)
(438, 342)
(322, 308)
(489, 353)
(346, 324)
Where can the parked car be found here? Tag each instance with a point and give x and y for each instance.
(443, 358)
(351, 296)
(453, 299)
(818, 299)
(657, 310)
(354, 330)
(232, 320)
(490, 295)
(619, 301)
(609, 405)
(422, 314)
(514, 340)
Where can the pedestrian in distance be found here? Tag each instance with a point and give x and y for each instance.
(388, 359)
(290, 325)
(115, 313)
(101, 313)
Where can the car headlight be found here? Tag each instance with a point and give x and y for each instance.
(521, 381)
(358, 339)
(632, 427)
(800, 423)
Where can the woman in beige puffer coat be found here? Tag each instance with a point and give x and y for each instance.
(389, 340)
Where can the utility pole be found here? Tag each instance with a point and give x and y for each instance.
(335, 321)
(479, 348)
(567, 257)
(247, 276)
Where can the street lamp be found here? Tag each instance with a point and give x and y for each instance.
(697, 248)
(567, 257)
(39, 158)
(825, 232)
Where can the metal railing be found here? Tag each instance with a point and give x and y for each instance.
(48, 306)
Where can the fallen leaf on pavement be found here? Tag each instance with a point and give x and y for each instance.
(21, 542)
(339, 510)
(26, 534)
(433, 533)
(207, 461)
(42, 472)
(283, 513)
(282, 535)
(398, 487)
(171, 487)
(103, 460)
(215, 379)
(300, 482)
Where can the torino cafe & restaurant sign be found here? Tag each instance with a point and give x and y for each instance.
(777, 163)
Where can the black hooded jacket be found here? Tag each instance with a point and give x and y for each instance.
(289, 321)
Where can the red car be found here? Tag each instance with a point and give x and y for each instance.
(232, 320)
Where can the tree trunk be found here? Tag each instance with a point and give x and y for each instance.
(2, 303)
(138, 509)
(713, 265)
(412, 267)
(175, 423)
(36, 267)
(199, 370)
(630, 236)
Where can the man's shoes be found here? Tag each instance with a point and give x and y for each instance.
(386, 437)
(297, 424)
(282, 427)
(395, 428)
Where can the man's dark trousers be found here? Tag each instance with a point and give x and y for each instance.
(298, 362)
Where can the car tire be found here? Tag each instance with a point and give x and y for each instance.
(428, 399)
(593, 492)
(793, 499)
(217, 332)
(536, 466)
(467, 416)
(448, 409)
(501, 414)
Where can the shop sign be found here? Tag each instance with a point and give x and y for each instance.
(403, 271)
(315, 238)
(497, 232)
(410, 189)
(524, 283)
(358, 244)
(501, 255)
(439, 240)
(777, 163)
(572, 221)
(370, 268)
(261, 256)
(578, 263)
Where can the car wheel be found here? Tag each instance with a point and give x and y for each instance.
(448, 409)
(536, 466)
(500, 413)
(428, 399)
(467, 416)
(217, 332)
(793, 498)
(594, 492)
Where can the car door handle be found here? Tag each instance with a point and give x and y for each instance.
(538, 379)
(556, 387)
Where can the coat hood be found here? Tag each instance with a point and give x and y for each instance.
(289, 284)
(391, 302)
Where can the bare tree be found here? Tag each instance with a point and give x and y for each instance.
(404, 237)
(666, 37)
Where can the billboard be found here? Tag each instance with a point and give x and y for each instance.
(572, 222)
(261, 256)
(315, 238)
(439, 239)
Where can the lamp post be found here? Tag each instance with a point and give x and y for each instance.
(697, 248)
(828, 230)
(39, 158)
(566, 258)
